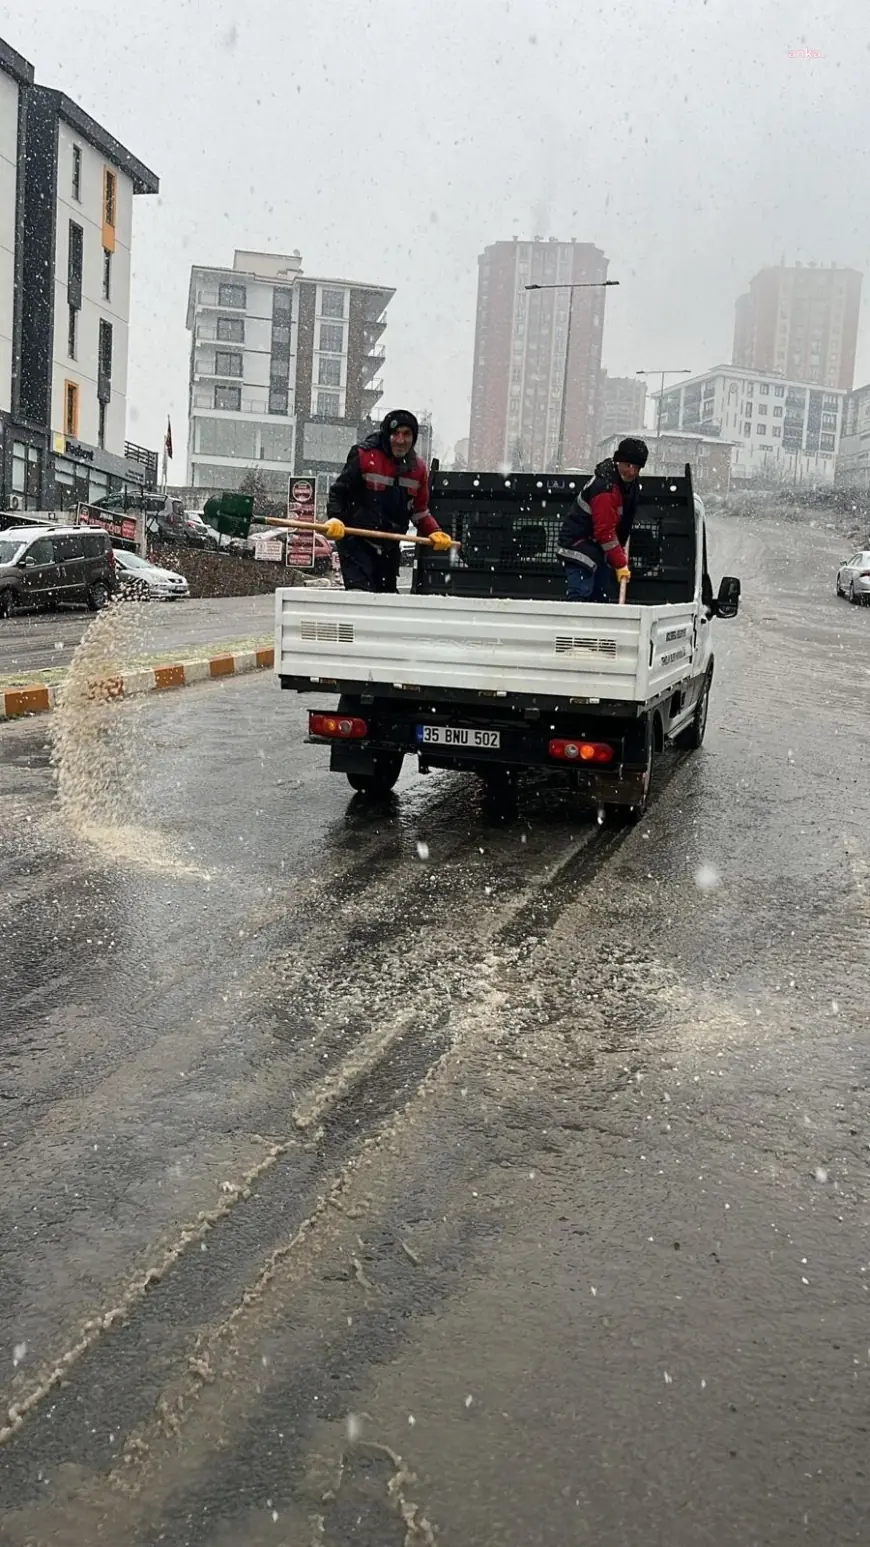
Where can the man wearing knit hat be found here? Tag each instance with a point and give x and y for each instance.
(598, 525)
(383, 486)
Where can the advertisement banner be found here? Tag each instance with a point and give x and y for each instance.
(300, 507)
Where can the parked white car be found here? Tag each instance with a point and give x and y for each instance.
(140, 578)
(853, 578)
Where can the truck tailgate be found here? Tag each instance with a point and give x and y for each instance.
(490, 646)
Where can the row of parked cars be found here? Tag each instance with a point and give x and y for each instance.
(76, 564)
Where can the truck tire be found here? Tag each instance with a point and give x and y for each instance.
(692, 736)
(388, 766)
(628, 816)
(501, 792)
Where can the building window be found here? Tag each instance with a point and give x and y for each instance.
(776, 429)
(231, 330)
(332, 303)
(276, 443)
(762, 408)
(107, 275)
(227, 363)
(75, 264)
(761, 428)
(328, 404)
(279, 401)
(233, 295)
(73, 337)
(329, 373)
(70, 409)
(764, 389)
(77, 173)
(331, 338)
(228, 397)
(110, 208)
(747, 428)
(777, 413)
(104, 361)
(101, 428)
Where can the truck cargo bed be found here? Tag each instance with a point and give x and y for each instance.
(493, 646)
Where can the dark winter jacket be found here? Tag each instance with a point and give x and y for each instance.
(600, 520)
(375, 490)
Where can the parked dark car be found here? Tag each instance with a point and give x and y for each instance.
(40, 568)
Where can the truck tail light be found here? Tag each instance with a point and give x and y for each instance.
(581, 751)
(337, 727)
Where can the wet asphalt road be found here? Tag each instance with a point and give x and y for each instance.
(509, 1190)
(34, 642)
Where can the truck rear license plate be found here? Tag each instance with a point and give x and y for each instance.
(458, 736)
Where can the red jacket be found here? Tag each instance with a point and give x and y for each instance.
(601, 518)
(376, 491)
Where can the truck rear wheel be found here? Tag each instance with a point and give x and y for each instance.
(379, 783)
(628, 816)
(501, 792)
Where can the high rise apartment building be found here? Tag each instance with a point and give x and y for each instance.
(536, 389)
(800, 323)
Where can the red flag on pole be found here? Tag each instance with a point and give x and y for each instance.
(167, 444)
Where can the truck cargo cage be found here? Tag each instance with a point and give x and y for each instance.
(509, 526)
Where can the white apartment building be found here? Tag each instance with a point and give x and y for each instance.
(853, 461)
(66, 215)
(782, 431)
(15, 76)
(284, 370)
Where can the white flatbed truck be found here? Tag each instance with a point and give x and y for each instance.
(485, 666)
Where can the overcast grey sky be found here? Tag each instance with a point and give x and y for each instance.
(393, 142)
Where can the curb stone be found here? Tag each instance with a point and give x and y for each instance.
(39, 698)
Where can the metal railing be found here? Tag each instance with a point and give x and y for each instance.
(148, 460)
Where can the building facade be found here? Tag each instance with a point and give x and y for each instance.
(535, 398)
(284, 370)
(708, 456)
(853, 461)
(66, 215)
(623, 403)
(782, 432)
(800, 323)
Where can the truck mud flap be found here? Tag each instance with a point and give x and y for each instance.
(346, 758)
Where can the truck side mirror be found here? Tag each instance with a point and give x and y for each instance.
(728, 600)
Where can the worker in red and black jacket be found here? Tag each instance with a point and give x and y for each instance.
(598, 525)
(384, 486)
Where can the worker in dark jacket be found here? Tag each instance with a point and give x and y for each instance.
(384, 486)
(598, 525)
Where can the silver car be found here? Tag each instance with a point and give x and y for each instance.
(853, 578)
(139, 577)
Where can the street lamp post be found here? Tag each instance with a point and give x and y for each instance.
(662, 374)
(585, 284)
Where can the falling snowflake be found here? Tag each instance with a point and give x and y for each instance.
(707, 878)
(19, 1353)
(422, 850)
(821, 1174)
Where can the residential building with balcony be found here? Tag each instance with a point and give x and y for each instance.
(67, 188)
(782, 431)
(284, 370)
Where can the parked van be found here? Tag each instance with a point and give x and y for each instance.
(40, 568)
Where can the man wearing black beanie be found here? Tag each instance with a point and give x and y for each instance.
(383, 486)
(598, 525)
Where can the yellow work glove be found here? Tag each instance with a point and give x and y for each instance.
(335, 529)
(440, 541)
(623, 574)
